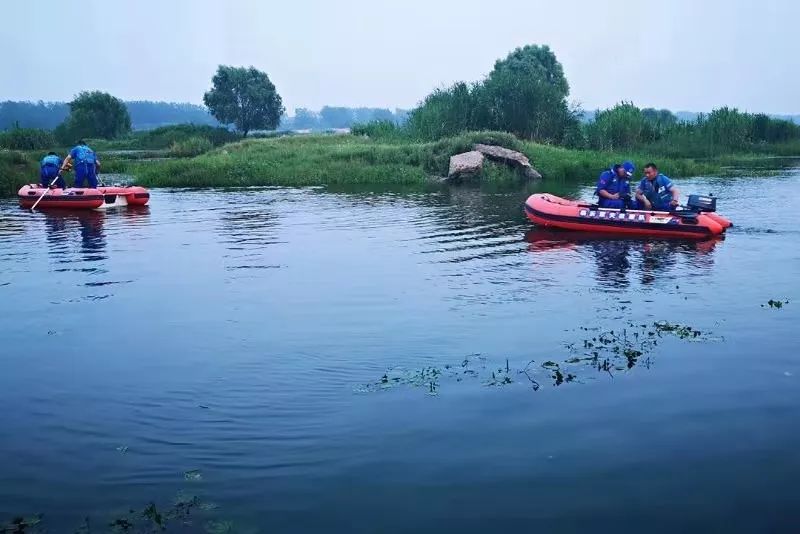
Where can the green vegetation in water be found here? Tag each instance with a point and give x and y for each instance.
(193, 475)
(186, 514)
(605, 352)
(775, 304)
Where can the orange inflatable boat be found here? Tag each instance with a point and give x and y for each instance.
(78, 198)
(697, 221)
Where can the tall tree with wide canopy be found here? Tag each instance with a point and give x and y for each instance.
(94, 114)
(244, 97)
(527, 94)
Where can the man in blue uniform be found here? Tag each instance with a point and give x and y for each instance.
(50, 169)
(613, 186)
(656, 191)
(85, 163)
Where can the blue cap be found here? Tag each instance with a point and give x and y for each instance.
(629, 167)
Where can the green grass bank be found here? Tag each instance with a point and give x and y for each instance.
(342, 160)
(347, 159)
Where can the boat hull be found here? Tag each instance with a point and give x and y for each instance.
(79, 198)
(550, 211)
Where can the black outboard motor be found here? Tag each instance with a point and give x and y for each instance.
(702, 203)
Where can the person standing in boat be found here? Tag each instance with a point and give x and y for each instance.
(50, 169)
(85, 162)
(656, 191)
(613, 186)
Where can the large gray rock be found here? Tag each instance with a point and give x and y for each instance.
(515, 159)
(466, 165)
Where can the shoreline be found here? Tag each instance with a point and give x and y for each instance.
(318, 160)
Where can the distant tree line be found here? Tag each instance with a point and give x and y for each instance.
(145, 115)
(330, 117)
(526, 95)
(91, 114)
(41, 115)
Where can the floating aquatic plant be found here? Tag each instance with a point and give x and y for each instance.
(604, 351)
(193, 475)
(775, 304)
(179, 517)
(19, 525)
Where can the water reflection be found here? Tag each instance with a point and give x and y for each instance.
(90, 226)
(141, 213)
(616, 258)
(414, 288)
(247, 234)
(613, 261)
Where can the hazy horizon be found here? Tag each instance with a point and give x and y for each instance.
(681, 56)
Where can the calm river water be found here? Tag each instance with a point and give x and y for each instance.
(309, 360)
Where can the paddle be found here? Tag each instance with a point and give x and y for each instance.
(45, 191)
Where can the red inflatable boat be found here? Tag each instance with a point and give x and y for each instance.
(697, 221)
(74, 198)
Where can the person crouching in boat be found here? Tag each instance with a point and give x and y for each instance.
(656, 191)
(86, 164)
(613, 186)
(49, 170)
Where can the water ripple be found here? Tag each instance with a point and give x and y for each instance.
(225, 331)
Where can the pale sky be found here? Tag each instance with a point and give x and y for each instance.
(678, 54)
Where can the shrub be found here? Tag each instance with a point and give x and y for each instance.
(167, 136)
(193, 146)
(27, 139)
(380, 129)
(16, 169)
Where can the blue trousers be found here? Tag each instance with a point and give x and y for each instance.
(618, 204)
(660, 201)
(46, 176)
(85, 171)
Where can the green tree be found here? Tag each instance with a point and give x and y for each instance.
(622, 127)
(94, 114)
(780, 131)
(659, 119)
(760, 127)
(244, 97)
(726, 128)
(448, 112)
(527, 94)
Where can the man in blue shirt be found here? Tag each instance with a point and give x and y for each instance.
(85, 162)
(50, 169)
(613, 187)
(656, 191)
